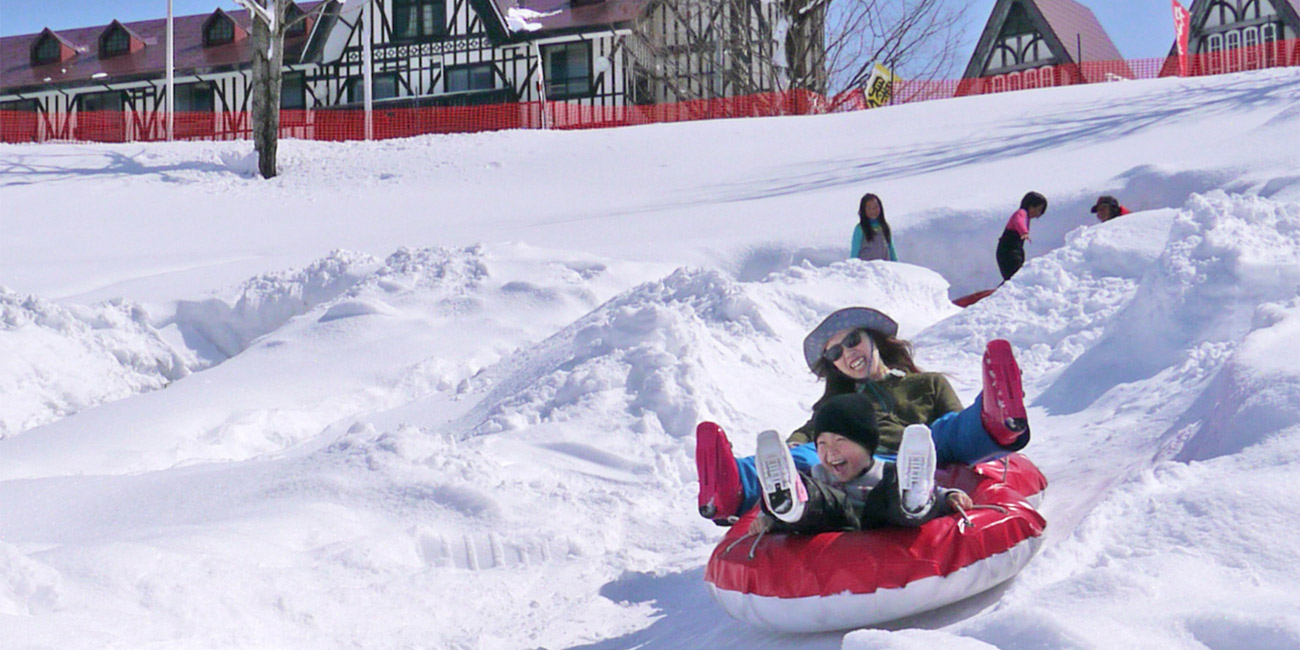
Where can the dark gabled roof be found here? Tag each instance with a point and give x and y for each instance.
(17, 72)
(220, 14)
(129, 32)
(44, 33)
(1069, 29)
(505, 20)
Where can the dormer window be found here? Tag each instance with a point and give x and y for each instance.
(218, 30)
(49, 48)
(293, 18)
(46, 50)
(115, 41)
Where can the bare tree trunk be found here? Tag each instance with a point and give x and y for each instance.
(805, 44)
(268, 57)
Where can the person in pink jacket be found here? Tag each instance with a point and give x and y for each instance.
(1011, 246)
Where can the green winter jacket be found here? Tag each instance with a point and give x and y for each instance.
(917, 398)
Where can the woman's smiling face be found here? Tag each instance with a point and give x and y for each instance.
(858, 362)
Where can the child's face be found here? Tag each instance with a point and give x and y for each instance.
(845, 459)
(872, 209)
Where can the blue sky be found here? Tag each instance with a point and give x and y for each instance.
(1140, 28)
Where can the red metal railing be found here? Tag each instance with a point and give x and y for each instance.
(349, 124)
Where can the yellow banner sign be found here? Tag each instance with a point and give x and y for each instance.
(879, 87)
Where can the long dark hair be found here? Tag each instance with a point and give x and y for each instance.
(894, 353)
(868, 232)
(1033, 200)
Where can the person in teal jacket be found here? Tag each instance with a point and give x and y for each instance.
(871, 237)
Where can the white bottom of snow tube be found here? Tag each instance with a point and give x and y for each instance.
(849, 610)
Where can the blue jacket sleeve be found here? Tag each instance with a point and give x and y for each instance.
(893, 254)
(856, 246)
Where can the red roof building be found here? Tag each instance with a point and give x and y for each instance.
(1235, 35)
(1038, 43)
(108, 82)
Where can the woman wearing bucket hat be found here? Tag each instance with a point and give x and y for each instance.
(857, 350)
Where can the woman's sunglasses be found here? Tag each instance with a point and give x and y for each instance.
(853, 340)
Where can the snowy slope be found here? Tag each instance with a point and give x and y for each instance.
(440, 392)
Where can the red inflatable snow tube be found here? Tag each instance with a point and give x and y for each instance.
(843, 580)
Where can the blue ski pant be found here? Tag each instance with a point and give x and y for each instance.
(959, 437)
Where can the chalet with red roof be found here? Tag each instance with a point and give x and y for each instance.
(1041, 43)
(1236, 35)
(586, 53)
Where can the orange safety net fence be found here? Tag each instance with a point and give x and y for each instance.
(391, 122)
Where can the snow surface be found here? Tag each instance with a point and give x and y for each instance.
(440, 392)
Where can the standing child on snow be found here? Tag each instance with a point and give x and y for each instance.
(1011, 247)
(849, 489)
(871, 237)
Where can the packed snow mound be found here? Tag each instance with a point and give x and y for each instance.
(1252, 399)
(60, 360)
(1059, 305)
(218, 328)
(642, 355)
(27, 587)
(345, 335)
(664, 356)
(1225, 256)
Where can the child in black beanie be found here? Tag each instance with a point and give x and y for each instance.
(849, 489)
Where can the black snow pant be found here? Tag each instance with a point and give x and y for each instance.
(830, 509)
(1011, 253)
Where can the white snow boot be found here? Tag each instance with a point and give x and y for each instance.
(784, 493)
(916, 461)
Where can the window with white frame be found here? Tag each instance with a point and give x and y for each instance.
(1214, 53)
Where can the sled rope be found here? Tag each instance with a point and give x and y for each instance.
(737, 541)
(965, 516)
(754, 547)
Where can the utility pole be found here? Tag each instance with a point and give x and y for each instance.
(171, 74)
(367, 72)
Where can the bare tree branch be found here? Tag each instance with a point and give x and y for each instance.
(682, 48)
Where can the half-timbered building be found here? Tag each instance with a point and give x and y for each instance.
(1041, 43)
(110, 80)
(1235, 35)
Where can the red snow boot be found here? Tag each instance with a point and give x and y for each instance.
(720, 492)
(1003, 415)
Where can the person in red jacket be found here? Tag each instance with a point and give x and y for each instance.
(1108, 208)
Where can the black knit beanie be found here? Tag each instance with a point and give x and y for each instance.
(850, 415)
